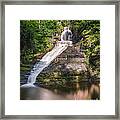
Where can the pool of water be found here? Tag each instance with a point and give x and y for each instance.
(85, 91)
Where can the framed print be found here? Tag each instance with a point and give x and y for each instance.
(60, 59)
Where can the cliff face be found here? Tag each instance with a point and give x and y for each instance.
(70, 61)
(67, 69)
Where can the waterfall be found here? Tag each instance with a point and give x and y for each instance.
(45, 61)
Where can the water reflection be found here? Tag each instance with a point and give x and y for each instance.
(85, 94)
(85, 91)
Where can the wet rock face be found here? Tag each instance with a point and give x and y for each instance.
(76, 67)
(70, 59)
(66, 66)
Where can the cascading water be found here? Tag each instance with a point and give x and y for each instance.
(45, 61)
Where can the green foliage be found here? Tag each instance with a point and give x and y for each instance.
(91, 45)
(36, 37)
